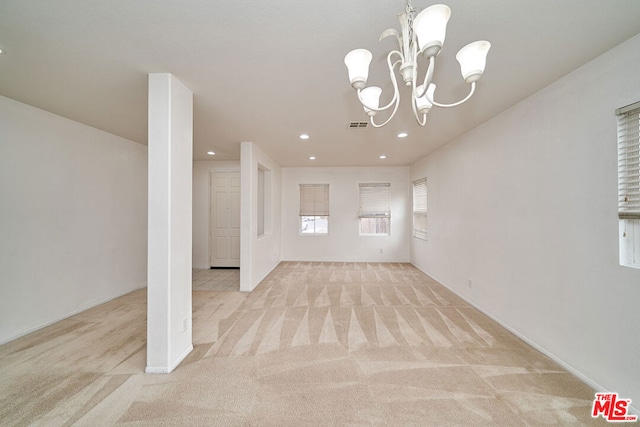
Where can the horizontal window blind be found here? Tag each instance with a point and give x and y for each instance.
(629, 163)
(375, 201)
(314, 199)
(420, 208)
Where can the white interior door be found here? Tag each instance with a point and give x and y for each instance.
(224, 239)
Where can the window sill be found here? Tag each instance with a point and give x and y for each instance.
(636, 266)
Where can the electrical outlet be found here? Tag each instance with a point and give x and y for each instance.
(185, 324)
(381, 251)
(469, 283)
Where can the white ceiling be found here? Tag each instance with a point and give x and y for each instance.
(268, 71)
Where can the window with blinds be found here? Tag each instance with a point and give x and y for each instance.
(375, 209)
(629, 184)
(314, 208)
(420, 209)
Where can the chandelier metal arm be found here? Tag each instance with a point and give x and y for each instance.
(396, 92)
(427, 80)
(425, 85)
(422, 121)
(393, 113)
(428, 77)
(455, 104)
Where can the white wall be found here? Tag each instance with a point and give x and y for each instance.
(259, 255)
(344, 242)
(201, 200)
(73, 217)
(525, 206)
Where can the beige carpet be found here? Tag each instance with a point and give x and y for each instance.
(314, 344)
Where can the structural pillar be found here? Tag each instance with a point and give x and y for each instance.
(169, 336)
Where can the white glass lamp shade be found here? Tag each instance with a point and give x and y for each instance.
(430, 26)
(370, 97)
(423, 104)
(473, 59)
(357, 62)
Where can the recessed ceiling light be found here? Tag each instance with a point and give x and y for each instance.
(312, 157)
(1, 51)
(403, 135)
(211, 153)
(304, 136)
(382, 156)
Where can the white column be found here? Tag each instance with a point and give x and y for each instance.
(169, 337)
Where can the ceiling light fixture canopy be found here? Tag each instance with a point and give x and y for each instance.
(422, 35)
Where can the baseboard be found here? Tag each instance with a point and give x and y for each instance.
(73, 313)
(170, 368)
(252, 285)
(579, 375)
(359, 260)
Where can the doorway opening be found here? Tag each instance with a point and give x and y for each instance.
(224, 220)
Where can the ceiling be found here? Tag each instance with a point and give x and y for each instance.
(268, 71)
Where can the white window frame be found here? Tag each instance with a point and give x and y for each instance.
(263, 226)
(419, 203)
(629, 184)
(375, 205)
(314, 209)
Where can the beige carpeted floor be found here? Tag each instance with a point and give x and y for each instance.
(314, 344)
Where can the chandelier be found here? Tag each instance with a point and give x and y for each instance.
(422, 35)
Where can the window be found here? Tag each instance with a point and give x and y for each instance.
(314, 208)
(260, 201)
(264, 201)
(375, 213)
(420, 209)
(629, 184)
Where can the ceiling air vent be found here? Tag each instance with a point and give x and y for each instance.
(355, 125)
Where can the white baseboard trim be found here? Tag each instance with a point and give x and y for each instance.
(347, 259)
(579, 375)
(170, 368)
(73, 313)
(252, 285)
